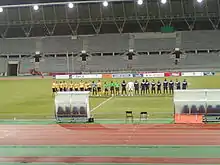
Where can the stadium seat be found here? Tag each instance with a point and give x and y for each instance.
(75, 111)
(60, 112)
(185, 109)
(194, 109)
(82, 111)
(215, 111)
(209, 109)
(201, 109)
(67, 111)
(217, 108)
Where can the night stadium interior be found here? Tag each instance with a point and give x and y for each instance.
(45, 44)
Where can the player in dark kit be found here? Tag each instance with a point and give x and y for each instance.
(171, 87)
(153, 87)
(143, 86)
(184, 84)
(178, 84)
(147, 87)
(123, 88)
(165, 86)
(136, 88)
(159, 87)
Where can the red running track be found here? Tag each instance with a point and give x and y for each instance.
(110, 134)
(151, 160)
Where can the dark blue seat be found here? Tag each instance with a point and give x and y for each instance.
(75, 111)
(185, 109)
(201, 109)
(82, 111)
(67, 111)
(194, 109)
(217, 109)
(209, 109)
(60, 112)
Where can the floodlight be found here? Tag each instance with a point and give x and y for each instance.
(140, 2)
(1, 9)
(199, 1)
(163, 1)
(131, 50)
(105, 3)
(35, 7)
(70, 5)
(37, 52)
(177, 49)
(83, 52)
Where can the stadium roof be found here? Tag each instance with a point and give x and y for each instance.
(20, 18)
(16, 2)
(22, 2)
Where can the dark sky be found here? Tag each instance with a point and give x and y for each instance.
(15, 2)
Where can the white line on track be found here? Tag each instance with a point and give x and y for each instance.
(114, 145)
(7, 133)
(101, 104)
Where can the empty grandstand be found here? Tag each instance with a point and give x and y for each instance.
(58, 33)
(62, 54)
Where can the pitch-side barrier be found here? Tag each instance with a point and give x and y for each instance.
(98, 117)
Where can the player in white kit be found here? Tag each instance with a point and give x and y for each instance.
(130, 87)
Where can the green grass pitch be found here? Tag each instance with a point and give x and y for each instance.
(32, 99)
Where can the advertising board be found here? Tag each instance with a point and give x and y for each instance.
(192, 74)
(89, 76)
(209, 73)
(172, 74)
(153, 75)
(122, 75)
(138, 75)
(62, 77)
(107, 76)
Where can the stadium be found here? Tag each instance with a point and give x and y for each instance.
(109, 82)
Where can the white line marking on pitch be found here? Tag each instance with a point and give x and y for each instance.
(102, 103)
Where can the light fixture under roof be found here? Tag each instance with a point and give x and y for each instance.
(163, 1)
(83, 52)
(140, 2)
(35, 7)
(37, 52)
(199, 1)
(105, 3)
(70, 5)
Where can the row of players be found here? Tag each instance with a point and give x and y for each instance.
(145, 87)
